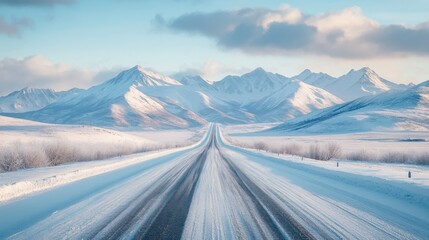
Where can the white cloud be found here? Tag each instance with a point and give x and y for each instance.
(350, 21)
(39, 72)
(345, 34)
(286, 14)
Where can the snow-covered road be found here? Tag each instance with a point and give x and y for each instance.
(216, 191)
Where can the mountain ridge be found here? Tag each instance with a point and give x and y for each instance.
(142, 97)
(353, 85)
(394, 110)
(32, 99)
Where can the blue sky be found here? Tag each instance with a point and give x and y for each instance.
(95, 39)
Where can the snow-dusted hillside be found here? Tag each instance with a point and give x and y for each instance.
(353, 85)
(290, 100)
(396, 110)
(251, 86)
(119, 101)
(31, 99)
(140, 97)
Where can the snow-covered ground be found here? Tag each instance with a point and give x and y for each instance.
(26, 144)
(26, 181)
(14, 130)
(169, 137)
(374, 143)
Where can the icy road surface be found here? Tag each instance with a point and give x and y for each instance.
(216, 191)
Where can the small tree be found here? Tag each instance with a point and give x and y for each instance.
(334, 151)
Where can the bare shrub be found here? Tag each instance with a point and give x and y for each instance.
(261, 146)
(34, 157)
(10, 161)
(395, 157)
(361, 155)
(59, 153)
(422, 159)
(315, 152)
(333, 151)
(292, 149)
(18, 156)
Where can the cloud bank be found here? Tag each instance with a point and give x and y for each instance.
(341, 34)
(39, 72)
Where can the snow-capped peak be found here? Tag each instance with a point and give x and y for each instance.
(256, 81)
(27, 99)
(367, 79)
(141, 77)
(304, 74)
(365, 72)
(29, 90)
(258, 70)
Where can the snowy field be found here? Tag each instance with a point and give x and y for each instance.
(13, 130)
(372, 143)
(28, 144)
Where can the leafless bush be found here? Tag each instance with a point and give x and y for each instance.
(60, 152)
(22, 156)
(261, 146)
(422, 159)
(19, 156)
(315, 152)
(395, 157)
(361, 155)
(334, 151)
(33, 157)
(391, 157)
(291, 149)
(10, 161)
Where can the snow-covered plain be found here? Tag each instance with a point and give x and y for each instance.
(28, 134)
(374, 143)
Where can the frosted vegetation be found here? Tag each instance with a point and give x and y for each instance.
(333, 150)
(55, 152)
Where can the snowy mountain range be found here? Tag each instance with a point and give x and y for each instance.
(394, 110)
(141, 97)
(31, 99)
(355, 84)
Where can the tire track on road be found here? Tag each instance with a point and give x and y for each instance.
(282, 224)
(166, 222)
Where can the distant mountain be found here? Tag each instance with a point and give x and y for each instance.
(250, 85)
(353, 85)
(316, 79)
(190, 80)
(140, 97)
(31, 99)
(289, 100)
(120, 102)
(395, 110)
